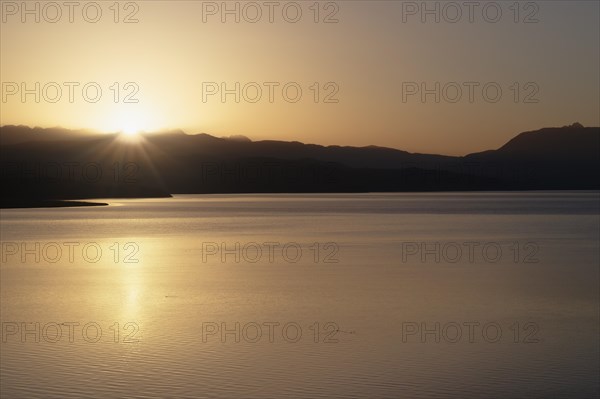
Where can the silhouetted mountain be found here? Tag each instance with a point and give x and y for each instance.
(63, 164)
(569, 143)
(238, 137)
(550, 158)
(11, 134)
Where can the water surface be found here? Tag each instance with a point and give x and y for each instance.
(373, 266)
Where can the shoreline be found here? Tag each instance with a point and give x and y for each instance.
(31, 204)
(28, 204)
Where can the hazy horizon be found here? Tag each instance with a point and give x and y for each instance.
(239, 135)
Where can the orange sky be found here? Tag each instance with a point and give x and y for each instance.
(361, 67)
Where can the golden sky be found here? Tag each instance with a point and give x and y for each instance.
(361, 68)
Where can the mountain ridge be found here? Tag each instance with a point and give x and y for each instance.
(174, 162)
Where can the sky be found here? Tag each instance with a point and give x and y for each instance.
(358, 73)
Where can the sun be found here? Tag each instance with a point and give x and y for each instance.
(130, 131)
(131, 125)
(133, 121)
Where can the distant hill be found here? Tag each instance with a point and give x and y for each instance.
(10, 134)
(550, 158)
(59, 163)
(572, 143)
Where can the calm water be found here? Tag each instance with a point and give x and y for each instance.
(482, 295)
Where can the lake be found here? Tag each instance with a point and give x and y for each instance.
(412, 295)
